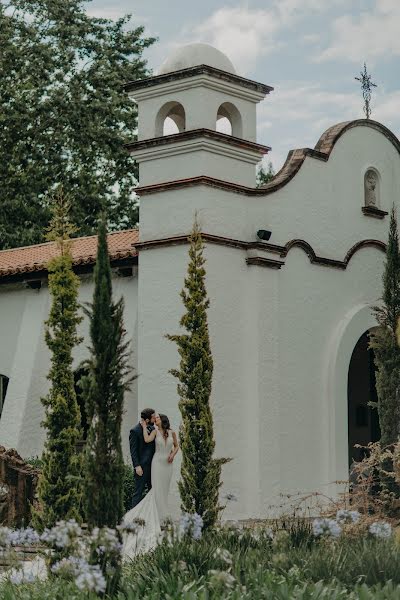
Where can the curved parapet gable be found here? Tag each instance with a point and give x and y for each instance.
(322, 150)
(329, 138)
(292, 165)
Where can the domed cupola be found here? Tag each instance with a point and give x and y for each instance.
(197, 118)
(193, 55)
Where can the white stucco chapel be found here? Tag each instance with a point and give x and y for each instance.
(293, 268)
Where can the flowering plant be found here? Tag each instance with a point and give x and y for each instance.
(327, 528)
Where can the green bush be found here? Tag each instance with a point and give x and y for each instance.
(34, 461)
(129, 482)
(129, 486)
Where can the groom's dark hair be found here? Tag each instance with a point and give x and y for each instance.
(147, 413)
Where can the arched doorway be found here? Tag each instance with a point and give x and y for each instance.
(363, 420)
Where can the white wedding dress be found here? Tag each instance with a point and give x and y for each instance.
(153, 509)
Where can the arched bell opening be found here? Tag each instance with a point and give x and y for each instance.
(229, 120)
(171, 118)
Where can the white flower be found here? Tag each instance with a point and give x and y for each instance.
(19, 577)
(66, 566)
(347, 516)
(269, 533)
(5, 536)
(222, 578)
(131, 527)
(62, 534)
(87, 577)
(223, 555)
(328, 527)
(106, 540)
(91, 579)
(191, 525)
(24, 537)
(380, 529)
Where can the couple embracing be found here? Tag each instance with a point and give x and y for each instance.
(153, 447)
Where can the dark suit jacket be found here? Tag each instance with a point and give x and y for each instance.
(141, 453)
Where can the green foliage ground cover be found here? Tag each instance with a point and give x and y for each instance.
(236, 564)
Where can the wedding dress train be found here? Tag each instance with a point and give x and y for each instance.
(153, 509)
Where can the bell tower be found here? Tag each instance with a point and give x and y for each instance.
(197, 153)
(197, 118)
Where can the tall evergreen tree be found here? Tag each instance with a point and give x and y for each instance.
(59, 485)
(264, 176)
(200, 471)
(104, 388)
(64, 115)
(384, 342)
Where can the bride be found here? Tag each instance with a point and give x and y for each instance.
(153, 509)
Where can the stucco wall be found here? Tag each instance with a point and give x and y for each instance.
(321, 204)
(24, 358)
(281, 339)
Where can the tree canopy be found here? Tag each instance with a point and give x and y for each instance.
(64, 116)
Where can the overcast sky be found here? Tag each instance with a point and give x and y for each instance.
(308, 50)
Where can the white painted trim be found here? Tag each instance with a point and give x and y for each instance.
(203, 81)
(201, 144)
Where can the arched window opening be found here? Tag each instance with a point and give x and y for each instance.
(229, 120)
(372, 188)
(78, 375)
(3, 391)
(170, 119)
(363, 421)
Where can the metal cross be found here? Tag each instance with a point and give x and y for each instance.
(366, 85)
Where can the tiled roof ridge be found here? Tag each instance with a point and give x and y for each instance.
(34, 258)
(83, 237)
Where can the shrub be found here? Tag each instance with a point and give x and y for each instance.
(200, 471)
(128, 486)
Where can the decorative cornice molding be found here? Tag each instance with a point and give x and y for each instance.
(263, 261)
(373, 211)
(281, 251)
(141, 84)
(195, 181)
(194, 134)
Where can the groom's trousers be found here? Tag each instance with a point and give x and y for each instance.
(140, 484)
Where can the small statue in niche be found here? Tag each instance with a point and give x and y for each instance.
(370, 188)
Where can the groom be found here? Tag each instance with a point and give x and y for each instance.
(142, 455)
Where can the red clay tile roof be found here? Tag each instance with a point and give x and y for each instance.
(35, 258)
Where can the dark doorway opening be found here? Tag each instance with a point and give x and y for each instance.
(363, 420)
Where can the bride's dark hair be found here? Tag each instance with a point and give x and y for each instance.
(165, 426)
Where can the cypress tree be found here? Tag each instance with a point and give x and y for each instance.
(59, 488)
(104, 388)
(263, 176)
(200, 472)
(384, 343)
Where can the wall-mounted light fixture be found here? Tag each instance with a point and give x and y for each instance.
(263, 234)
